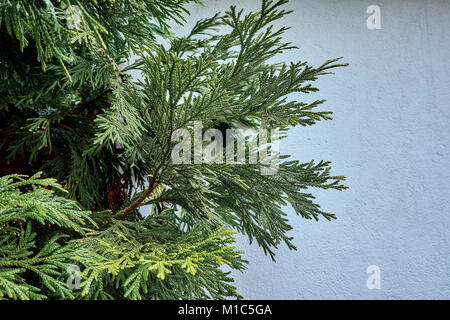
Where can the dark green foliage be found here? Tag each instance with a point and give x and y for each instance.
(71, 110)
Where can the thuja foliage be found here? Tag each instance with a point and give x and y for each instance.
(101, 142)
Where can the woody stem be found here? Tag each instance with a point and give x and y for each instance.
(136, 204)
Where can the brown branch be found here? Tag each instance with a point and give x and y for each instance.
(137, 203)
(62, 125)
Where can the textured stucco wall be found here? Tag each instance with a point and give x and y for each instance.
(390, 136)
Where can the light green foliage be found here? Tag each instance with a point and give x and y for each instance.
(154, 258)
(131, 259)
(107, 139)
(27, 203)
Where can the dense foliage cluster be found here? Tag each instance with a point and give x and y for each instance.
(74, 119)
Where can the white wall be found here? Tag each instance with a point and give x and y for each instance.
(390, 136)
